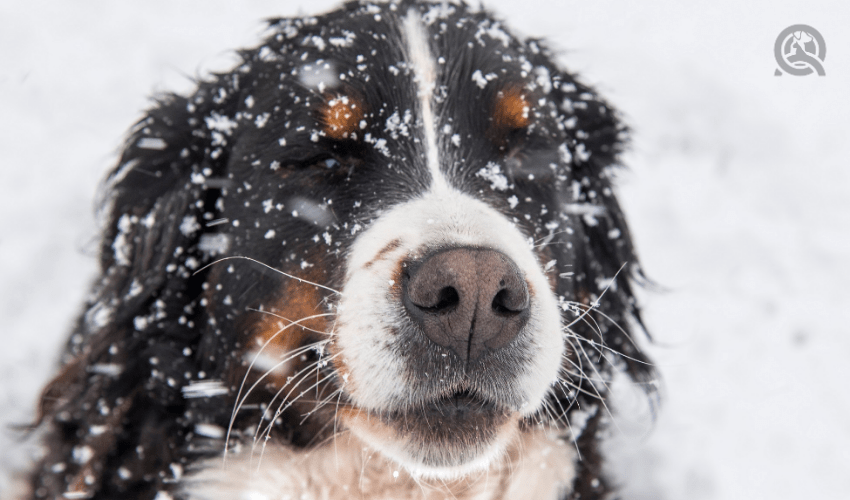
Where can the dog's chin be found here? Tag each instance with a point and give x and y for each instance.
(446, 438)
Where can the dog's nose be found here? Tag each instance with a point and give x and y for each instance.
(467, 299)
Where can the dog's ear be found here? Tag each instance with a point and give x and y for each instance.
(607, 262)
(159, 212)
(166, 182)
(157, 206)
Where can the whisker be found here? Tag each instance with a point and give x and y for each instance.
(338, 392)
(596, 302)
(268, 430)
(286, 402)
(547, 240)
(301, 280)
(278, 316)
(326, 439)
(296, 379)
(580, 389)
(616, 324)
(582, 375)
(604, 383)
(318, 403)
(238, 403)
(292, 355)
(597, 329)
(599, 347)
(336, 430)
(265, 433)
(569, 424)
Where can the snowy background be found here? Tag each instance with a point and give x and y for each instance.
(738, 193)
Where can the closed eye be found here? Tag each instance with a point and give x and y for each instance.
(335, 167)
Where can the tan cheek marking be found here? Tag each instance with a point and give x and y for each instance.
(275, 329)
(341, 116)
(511, 109)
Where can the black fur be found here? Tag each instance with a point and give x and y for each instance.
(118, 422)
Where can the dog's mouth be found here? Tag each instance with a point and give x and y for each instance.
(454, 412)
(456, 429)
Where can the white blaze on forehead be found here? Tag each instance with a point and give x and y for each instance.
(369, 313)
(425, 75)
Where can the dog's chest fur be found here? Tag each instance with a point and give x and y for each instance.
(540, 467)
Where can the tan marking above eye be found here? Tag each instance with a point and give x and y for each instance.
(511, 108)
(340, 117)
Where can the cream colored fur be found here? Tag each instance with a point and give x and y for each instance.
(537, 466)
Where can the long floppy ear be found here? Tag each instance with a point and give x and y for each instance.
(605, 315)
(155, 201)
(158, 205)
(607, 266)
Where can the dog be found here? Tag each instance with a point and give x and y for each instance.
(381, 258)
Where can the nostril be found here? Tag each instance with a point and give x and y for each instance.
(499, 303)
(504, 303)
(447, 300)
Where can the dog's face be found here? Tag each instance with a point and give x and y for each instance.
(416, 217)
(420, 182)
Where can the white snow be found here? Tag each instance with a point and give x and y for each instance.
(737, 196)
(344, 41)
(492, 173)
(209, 430)
(82, 454)
(154, 143)
(221, 123)
(564, 154)
(189, 225)
(396, 125)
(204, 389)
(261, 120)
(482, 79)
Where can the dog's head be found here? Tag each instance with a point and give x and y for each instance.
(419, 236)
